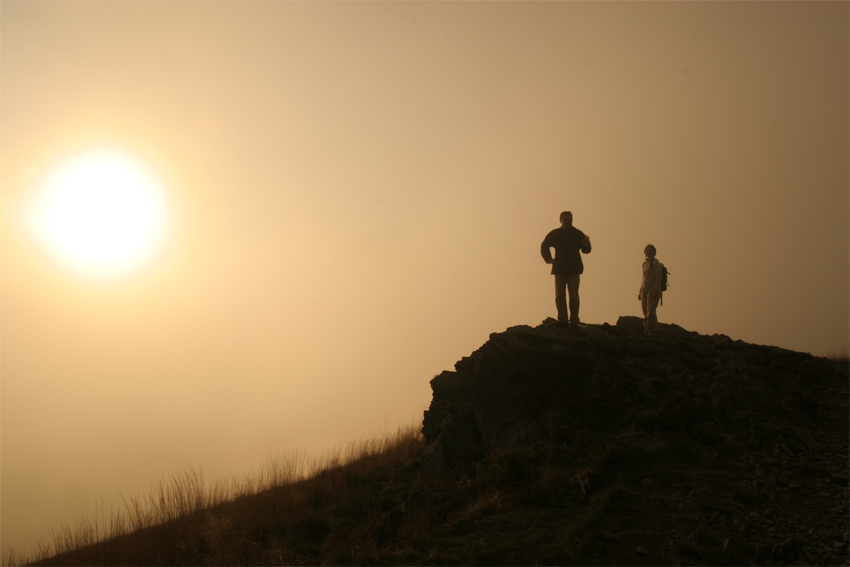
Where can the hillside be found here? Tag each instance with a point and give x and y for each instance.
(548, 445)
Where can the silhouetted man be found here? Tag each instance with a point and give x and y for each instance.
(567, 266)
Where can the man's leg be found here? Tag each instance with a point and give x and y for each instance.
(561, 298)
(572, 285)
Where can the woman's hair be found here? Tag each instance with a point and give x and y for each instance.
(650, 246)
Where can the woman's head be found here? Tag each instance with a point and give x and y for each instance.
(649, 251)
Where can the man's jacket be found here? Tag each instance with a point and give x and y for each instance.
(566, 241)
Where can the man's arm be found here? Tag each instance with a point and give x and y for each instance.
(585, 244)
(545, 250)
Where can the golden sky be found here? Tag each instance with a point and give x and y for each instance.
(357, 193)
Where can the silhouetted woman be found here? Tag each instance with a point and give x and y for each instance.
(650, 290)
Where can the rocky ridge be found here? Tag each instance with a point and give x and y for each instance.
(730, 451)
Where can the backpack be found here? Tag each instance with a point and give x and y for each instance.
(664, 284)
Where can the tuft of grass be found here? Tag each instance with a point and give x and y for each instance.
(840, 355)
(169, 500)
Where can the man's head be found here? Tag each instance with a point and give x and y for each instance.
(566, 218)
(649, 251)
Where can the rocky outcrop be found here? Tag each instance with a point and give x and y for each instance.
(526, 385)
(677, 449)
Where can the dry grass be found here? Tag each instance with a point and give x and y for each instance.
(133, 533)
(840, 355)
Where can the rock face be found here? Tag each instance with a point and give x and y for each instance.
(677, 449)
(529, 385)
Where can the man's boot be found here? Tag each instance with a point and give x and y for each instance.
(561, 304)
(574, 320)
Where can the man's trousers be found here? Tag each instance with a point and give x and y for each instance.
(567, 285)
(649, 305)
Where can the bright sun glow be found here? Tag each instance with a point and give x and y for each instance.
(102, 213)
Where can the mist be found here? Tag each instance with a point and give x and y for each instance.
(358, 193)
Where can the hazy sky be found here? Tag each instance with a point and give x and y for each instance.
(357, 194)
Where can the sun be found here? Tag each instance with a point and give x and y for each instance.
(101, 212)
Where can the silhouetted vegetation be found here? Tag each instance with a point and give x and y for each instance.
(839, 356)
(185, 521)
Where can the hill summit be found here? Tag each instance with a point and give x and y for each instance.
(716, 443)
